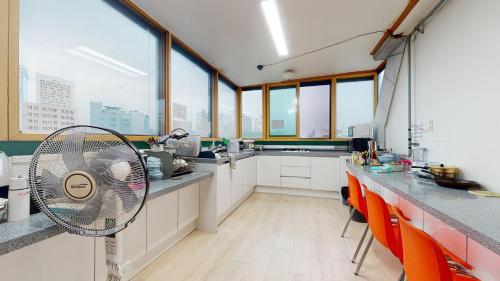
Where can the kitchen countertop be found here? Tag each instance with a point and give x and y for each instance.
(477, 217)
(38, 227)
(312, 153)
(223, 160)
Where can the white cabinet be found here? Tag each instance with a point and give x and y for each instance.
(60, 258)
(294, 182)
(189, 205)
(236, 182)
(324, 174)
(252, 174)
(269, 170)
(223, 188)
(342, 170)
(161, 219)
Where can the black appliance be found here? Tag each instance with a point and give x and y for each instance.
(359, 144)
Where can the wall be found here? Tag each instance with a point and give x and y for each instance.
(456, 74)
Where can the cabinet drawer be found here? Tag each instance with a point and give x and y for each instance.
(298, 172)
(303, 183)
(295, 161)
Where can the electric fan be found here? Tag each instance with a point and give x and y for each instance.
(92, 182)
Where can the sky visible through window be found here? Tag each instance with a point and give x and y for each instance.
(354, 104)
(109, 64)
(251, 119)
(190, 96)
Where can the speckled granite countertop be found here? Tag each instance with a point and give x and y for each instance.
(38, 227)
(312, 153)
(477, 217)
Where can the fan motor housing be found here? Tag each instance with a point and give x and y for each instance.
(79, 186)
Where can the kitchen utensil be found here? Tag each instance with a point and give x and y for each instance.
(387, 158)
(485, 193)
(4, 169)
(440, 169)
(451, 183)
(92, 182)
(19, 199)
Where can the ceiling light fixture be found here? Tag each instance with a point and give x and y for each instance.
(274, 23)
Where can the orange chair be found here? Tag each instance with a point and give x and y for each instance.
(424, 259)
(382, 227)
(357, 202)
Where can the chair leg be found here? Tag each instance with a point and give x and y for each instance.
(364, 255)
(360, 244)
(402, 277)
(347, 223)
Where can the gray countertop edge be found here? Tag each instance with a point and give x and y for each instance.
(222, 160)
(479, 237)
(312, 153)
(38, 227)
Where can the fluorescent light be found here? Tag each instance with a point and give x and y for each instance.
(274, 23)
(110, 60)
(100, 62)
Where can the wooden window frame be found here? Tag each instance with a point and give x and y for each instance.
(4, 68)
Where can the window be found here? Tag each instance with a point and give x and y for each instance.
(355, 103)
(380, 80)
(89, 62)
(283, 111)
(191, 91)
(315, 110)
(226, 110)
(251, 116)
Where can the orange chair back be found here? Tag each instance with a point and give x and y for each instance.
(380, 223)
(356, 198)
(423, 258)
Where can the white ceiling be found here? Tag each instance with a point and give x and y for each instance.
(233, 36)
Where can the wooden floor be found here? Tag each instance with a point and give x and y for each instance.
(275, 237)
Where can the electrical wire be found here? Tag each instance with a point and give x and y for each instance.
(260, 67)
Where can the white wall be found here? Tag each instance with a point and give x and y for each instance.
(457, 85)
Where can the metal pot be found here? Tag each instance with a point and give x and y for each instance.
(444, 171)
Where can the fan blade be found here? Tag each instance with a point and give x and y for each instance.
(119, 153)
(72, 151)
(89, 213)
(51, 184)
(127, 196)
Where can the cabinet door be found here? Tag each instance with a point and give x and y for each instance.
(268, 170)
(343, 170)
(189, 204)
(223, 188)
(162, 219)
(236, 182)
(253, 171)
(324, 174)
(62, 257)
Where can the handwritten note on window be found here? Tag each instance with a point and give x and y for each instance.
(45, 119)
(54, 91)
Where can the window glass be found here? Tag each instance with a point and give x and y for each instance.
(92, 63)
(226, 110)
(283, 111)
(191, 88)
(380, 80)
(315, 110)
(354, 103)
(251, 117)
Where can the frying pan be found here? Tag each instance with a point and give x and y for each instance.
(451, 183)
